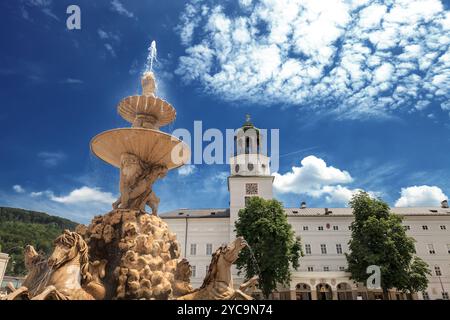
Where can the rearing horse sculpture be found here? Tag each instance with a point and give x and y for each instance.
(218, 282)
(69, 263)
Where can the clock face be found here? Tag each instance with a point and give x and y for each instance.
(236, 168)
(251, 188)
(250, 166)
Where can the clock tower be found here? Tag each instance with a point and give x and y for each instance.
(249, 170)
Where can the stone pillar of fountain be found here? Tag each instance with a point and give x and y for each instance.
(141, 252)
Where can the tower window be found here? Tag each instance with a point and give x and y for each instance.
(236, 168)
(250, 167)
(251, 188)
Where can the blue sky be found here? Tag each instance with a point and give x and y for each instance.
(358, 89)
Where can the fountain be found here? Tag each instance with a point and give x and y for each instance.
(128, 253)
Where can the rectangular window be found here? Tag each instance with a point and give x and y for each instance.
(320, 228)
(194, 269)
(193, 249)
(323, 248)
(338, 248)
(425, 295)
(407, 228)
(341, 268)
(310, 269)
(326, 268)
(437, 271)
(443, 228)
(431, 249)
(424, 227)
(246, 199)
(305, 228)
(445, 295)
(209, 249)
(307, 249)
(335, 228)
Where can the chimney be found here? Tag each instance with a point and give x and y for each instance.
(303, 205)
(444, 204)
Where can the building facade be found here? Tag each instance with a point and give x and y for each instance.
(325, 233)
(4, 258)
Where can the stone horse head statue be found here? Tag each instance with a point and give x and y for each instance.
(69, 265)
(218, 282)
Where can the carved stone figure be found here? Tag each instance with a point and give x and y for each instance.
(38, 271)
(136, 181)
(70, 276)
(218, 282)
(182, 283)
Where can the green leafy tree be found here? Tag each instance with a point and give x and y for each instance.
(379, 238)
(264, 225)
(19, 228)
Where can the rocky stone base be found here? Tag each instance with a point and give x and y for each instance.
(140, 251)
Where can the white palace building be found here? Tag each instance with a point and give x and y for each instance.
(324, 232)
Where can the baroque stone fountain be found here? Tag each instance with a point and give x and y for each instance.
(129, 253)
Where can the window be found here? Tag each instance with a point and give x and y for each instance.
(448, 248)
(437, 271)
(445, 295)
(305, 228)
(425, 295)
(443, 228)
(431, 249)
(307, 248)
(208, 249)
(246, 200)
(335, 228)
(424, 227)
(310, 269)
(326, 268)
(338, 248)
(194, 269)
(251, 188)
(407, 228)
(323, 248)
(350, 228)
(193, 249)
(341, 268)
(320, 228)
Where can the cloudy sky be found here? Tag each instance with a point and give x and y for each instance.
(358, 89)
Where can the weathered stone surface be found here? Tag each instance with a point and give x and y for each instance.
(141, 254)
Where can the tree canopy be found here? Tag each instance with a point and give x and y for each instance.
(19, 228)
(264, 225)
(379, 238)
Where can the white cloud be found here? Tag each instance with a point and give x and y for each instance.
(420, 196)
(104, 35)
(51, 159)
(118, 7)
(311, 178)
(18, 188)
(72, 81)
(110, 49)
(354, 58)
(186, 170)
(85, 194)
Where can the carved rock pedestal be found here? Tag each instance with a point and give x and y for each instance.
(142, 254)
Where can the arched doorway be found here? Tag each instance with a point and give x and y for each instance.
(324, 292)
(344, 291)
(303, 291)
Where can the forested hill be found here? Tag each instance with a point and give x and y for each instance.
(19, 227)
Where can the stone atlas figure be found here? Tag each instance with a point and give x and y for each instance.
(127, 253)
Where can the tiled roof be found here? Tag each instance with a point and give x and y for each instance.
(196, 213)
(298, 212)
(349, 211)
